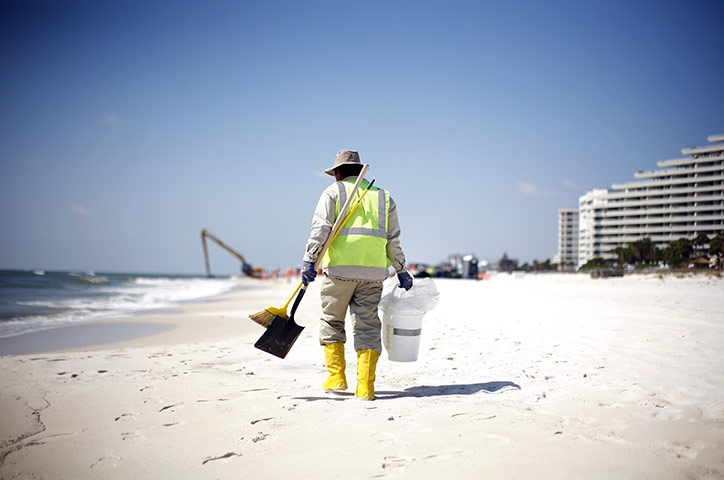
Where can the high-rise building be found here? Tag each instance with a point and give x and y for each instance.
(683, 198)
(567, 256)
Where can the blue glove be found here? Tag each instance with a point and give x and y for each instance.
(308, 273)
(405, 280)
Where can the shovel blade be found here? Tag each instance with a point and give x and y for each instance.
(279, 337)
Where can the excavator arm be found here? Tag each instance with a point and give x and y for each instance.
(245, 267)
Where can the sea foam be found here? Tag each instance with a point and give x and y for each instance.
(30, 302)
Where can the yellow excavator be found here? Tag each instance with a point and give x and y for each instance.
(245, 267)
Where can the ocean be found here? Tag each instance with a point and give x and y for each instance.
(38, 300)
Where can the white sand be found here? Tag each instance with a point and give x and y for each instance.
(547, 376)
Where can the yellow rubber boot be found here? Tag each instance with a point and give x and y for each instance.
(334, 356)
(366, 366)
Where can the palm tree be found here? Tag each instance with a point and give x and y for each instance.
(624, 254)
(678, 252)
(716, 247)
(644, 251)
(699, 244)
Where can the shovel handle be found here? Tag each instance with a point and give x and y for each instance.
(297, 301)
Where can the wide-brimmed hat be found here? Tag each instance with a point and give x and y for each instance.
(344, 157)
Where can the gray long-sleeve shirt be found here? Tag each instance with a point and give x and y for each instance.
(324, 217)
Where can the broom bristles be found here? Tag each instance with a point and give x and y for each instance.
(263, 318)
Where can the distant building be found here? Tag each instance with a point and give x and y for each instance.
(506, 264)
(590, 207)
(682, 199)
(567, 256)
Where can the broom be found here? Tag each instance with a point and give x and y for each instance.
(266, 316)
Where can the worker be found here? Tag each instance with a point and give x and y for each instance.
(355, 265)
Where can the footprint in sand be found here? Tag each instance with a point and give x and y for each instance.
(124, 417)
(132, 436)
(254, 422)
(170, 408)
(220, 457)
(52, 360)
(109, 461)
(394, 461)
(444, 456)
(684, 451)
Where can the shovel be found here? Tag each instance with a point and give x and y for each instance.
(282, 333)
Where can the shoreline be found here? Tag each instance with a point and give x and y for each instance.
(188, 321)
(73, 337)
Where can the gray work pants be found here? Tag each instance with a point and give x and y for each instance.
(362, 298)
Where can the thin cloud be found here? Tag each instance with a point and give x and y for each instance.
(531, 190)
(568, 184)
(524, 188)
(80, 210)
(109, 119)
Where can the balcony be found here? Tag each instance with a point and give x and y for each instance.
(662, 240)
(670, 193)
(677, 162)
(647, 185)
(700, 150)
(678, 171)
(646, 222)
(648, 231)
(665, 211)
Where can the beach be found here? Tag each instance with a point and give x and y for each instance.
(519, 376)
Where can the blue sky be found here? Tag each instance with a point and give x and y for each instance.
(127, 127)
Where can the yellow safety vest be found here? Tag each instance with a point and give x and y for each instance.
(363, 239)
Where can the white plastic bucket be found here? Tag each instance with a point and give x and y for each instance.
(401, 335)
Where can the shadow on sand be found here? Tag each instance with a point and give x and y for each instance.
(443, 390)
(427, 391)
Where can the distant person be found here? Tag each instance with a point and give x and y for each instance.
(354, 266)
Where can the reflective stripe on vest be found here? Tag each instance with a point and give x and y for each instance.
(381, 230)
(364, 241)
